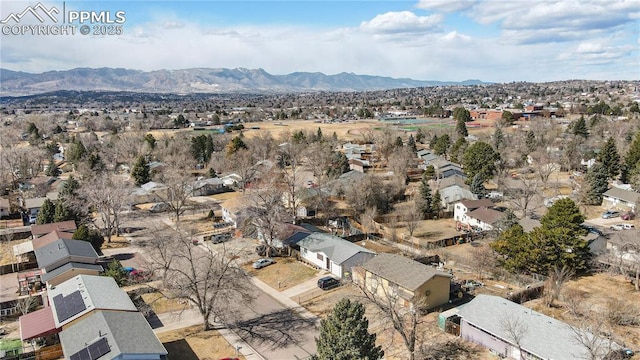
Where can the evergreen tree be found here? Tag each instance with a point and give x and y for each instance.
(507, 116)
(458, 149)
(117, 272)
(93, 236)
(531, 141)
(461, 128)
(141, 172)
(212, 173)
(339, 165)
(70, 188)
(480, 158)
(442, 144)
(498, 139)
(319, 136)
(234, 145)
(632, 159)
(52, 169)
(596, 184)
(609, 158)
(46, 213)
(436, 203)
(62, 213)
(564, 214)
(344, 335)
(430, 172)
(579, 128)
(411, 143)
(424, 203)
(433, 142)
(75, 151)
(477, 186)
(150, 140)
(420, 135)
(461, 113)
(399, 143)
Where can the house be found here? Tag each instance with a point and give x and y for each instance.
(483, 218)
(113, 334)
(621, 199)
(358, 165)
(623, 251)
(63, 226)
(5, 207)
(411, 281)
(463, 207)
(491, 321)
(454, 194)
(24, 252)
(61, 252)
(333, 254)
(70, 301)
(205, 187)
(337, 187)
(33, 205)
(234, 210)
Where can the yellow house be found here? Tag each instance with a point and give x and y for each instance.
(409, 280)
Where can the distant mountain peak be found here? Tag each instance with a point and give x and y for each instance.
(199, 80)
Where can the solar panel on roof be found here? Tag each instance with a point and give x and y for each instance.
(68, 306)
(93, 351)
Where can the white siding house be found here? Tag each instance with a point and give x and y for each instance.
(333, 254)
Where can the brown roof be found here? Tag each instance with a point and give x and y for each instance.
(236, 204)
(486, 215)
(474, 204)
(51, 237)
(37, 324)
(400, 270)
(39, 230)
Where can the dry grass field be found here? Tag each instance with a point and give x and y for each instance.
(285, 273)
(194, 344)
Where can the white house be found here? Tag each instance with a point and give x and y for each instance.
(464, 207)
(620, 198)
(333, 254)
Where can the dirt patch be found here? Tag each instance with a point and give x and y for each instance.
(597, 291)
(160, 304)
(285, 273)
(192, 344)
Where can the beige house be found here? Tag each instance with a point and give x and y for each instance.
(409, 280)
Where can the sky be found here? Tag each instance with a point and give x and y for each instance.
(445, 40)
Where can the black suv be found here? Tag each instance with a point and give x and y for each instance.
(328, 282)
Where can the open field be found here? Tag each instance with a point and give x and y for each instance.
(160, 304)
(194, 344)
(285, 273)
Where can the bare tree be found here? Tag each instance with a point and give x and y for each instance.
(412, 217)
(290, 163)
(108, 196)
(211, 281)
(482, 260)
(25, 304)
(524, 196)
(405, 320)
(574, 301)
(545, 164)
(516, 329)
(558, 276)
(368, 220)
(177, 192)
(265, 216)
(590, 333)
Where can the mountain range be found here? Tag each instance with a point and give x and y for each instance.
(199, 80)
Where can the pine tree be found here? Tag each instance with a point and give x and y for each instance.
(52, 169)
(93, 236)
(430, 172)
(477, 186)
(46, 213)
(531, 141)
(632, 159)
(319, 136)
(596, 184)
(498, 138)
(399, 142)
(579, 128)
(461, 128)
(344, 335)
(61, 212)
(436, 203)
(141, 172)
(411, 143)
(420, 135)
(426, 198)
(609, 158)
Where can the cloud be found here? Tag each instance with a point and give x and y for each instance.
(446, 5)
(402, 22)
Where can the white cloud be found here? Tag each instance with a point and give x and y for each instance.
(401, 22)
(446, 5)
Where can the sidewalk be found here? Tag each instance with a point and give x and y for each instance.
(191, 317)
(284, 300)
(302, 288)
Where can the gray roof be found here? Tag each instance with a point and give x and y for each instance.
(337, 249)
(402, 271)
(545, 337)
(69, 267)
(453, 180)
(127, 333)
(63, 248)
(98, 293)
(455, 193)
(622, 194)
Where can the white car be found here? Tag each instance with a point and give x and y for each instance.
(259, 264)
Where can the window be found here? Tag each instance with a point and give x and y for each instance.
(320, 257)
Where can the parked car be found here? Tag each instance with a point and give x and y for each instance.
(609, 214)
(259, 264)
(32, 219)
(328, 282)
(628, 226)
(159, 207)
(220, 238)
(616, 227)
(628, 216)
